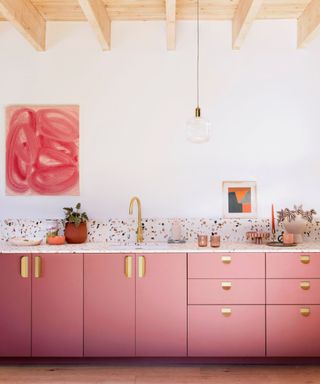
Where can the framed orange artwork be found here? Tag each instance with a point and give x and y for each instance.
(239, 199)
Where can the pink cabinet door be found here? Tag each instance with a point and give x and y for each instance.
(293, 265)
(227, 291)
(293, 330)
(161, 305)
(15, 305)
(57, 305)
(233, 331)
(293, 291)
(226, 265)
(109, 305)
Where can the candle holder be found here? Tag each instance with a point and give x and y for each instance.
(258, 237)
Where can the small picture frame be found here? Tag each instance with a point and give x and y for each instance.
(239, 199)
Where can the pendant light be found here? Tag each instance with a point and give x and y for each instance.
(198, 128)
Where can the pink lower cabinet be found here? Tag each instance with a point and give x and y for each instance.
(161, 305)
(109, 305)
(228, 330)
(15, 305)
(57, 305)
(293, 330)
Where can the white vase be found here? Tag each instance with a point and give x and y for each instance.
(297, 227)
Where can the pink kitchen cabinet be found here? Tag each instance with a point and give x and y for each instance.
(161, 304)
(293, 330)
(15, 305)
(57, 305)
(109, 305)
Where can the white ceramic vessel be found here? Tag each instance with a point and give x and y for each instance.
(297, 227)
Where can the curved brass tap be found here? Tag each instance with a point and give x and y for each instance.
(139, 228)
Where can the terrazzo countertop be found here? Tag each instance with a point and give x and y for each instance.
(92, 247)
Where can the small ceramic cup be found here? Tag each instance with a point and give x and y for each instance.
(286, 238)
(215, 241)
(202, 240)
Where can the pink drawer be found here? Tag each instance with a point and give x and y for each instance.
(293, 291)
(292, 331)
(237, 330)
(226, 265)
(293, 265)
(217, 291)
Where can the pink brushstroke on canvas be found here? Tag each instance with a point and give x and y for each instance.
(42, 150)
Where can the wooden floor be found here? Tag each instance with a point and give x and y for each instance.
(216, 374)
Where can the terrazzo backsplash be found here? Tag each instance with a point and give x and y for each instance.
(155, 230)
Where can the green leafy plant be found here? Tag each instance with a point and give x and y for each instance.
(75, 216)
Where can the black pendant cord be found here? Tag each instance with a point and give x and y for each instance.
(198, 52)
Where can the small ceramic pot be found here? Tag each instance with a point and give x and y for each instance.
(76, 235)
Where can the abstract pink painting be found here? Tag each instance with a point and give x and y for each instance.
(42, 150)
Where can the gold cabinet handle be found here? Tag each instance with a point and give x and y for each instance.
(24, 267)
(128, 267)
(37, 267)
(305, 259)
(305, 285)
(226, 312)
(305, 312)
(226, 259)
(141, 266)
(226, 285)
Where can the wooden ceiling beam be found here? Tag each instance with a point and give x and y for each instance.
(171, 24)
(309, 23)
(27, 20)
(245, 15)
(96, 13)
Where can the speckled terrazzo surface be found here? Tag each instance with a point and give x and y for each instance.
(123, 231)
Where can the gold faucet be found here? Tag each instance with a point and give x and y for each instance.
(139, 228)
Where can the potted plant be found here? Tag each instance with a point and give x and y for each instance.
(75, 225)
(295, 220)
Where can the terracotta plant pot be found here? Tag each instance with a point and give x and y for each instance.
(75, 235)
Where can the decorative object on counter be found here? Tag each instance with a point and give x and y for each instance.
(202, 240)
(239, 199)
(52, 229)
(22, 241)
(295, 221)
(214, 241)
(42, 150)
(258, 237)
(273, 224)
(198, 128)
(286, 238)
(181, 241)
(75, 225)
(56, 240)
(280, 245)
(176, 230)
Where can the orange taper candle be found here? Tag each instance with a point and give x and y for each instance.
(273, 226)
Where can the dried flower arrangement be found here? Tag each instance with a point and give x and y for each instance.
(291, 214)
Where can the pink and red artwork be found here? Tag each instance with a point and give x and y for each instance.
(42, 150)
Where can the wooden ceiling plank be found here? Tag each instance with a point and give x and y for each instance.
(27, 20)
(309, 23)
(245, 15)
(96, 13)
(171, 24)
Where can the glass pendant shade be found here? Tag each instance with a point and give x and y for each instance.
(198, 129)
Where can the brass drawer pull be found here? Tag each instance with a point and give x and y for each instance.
(141, 266)
(305, 312)
(37, 267)
(128, 267)
(24, 267)
(226, 285)
(305, 285)
(226, 259)
(305, 259)
(226, 312)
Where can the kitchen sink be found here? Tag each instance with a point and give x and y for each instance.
(142, 246)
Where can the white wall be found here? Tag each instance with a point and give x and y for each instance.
(134, 100)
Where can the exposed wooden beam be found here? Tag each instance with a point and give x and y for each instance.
(25, 17)
(309, 23)
(245, 14)
(96, 13)
(171, 24)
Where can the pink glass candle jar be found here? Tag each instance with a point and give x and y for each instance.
(202, 240)
(215, 241)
